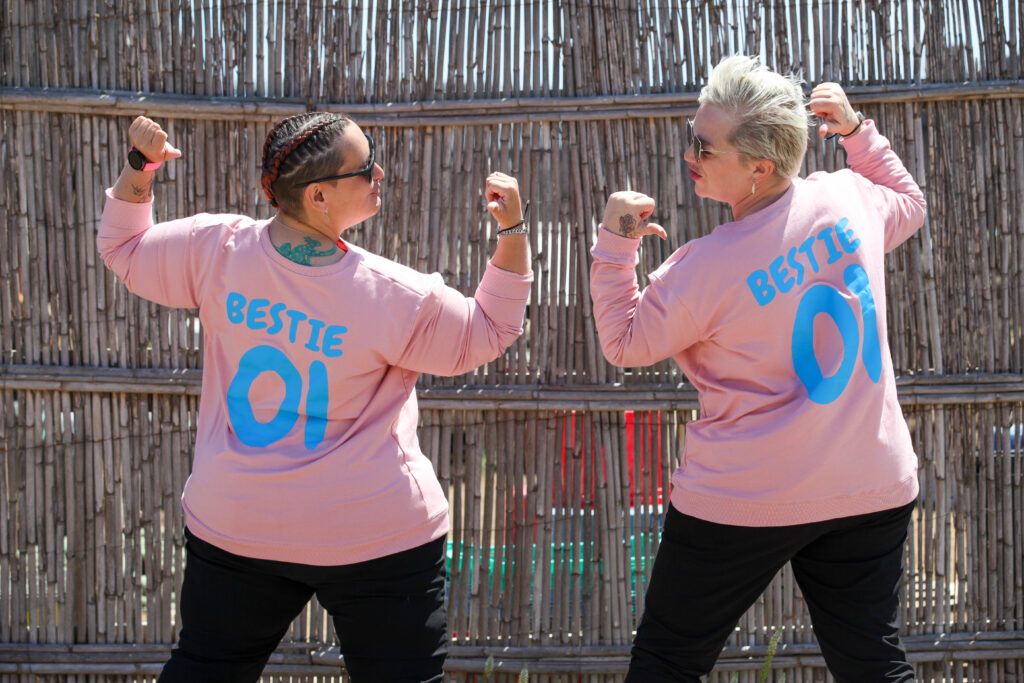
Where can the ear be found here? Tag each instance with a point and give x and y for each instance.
(314, 198)
(763, 168)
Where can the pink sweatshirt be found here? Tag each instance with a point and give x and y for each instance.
(778, 320)
(306, 448)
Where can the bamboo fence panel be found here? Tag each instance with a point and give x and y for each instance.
(556, 463)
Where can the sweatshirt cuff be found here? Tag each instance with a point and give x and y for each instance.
(612, 247)
(503, 294)
(505, 283)
(117, 213)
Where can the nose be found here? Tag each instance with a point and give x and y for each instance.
(689, 156)
(378, 173)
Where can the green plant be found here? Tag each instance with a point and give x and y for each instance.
(524, 675)
(773, 644)
(766, 668)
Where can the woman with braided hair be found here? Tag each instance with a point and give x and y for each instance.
(307, 476)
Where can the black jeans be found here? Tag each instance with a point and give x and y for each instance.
(389, 614)
(707, 575)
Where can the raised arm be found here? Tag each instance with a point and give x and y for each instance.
(636, 328)
(454, 334)
(898, 198)
(150, 260)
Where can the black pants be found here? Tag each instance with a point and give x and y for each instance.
(707, 575)
(389, 614)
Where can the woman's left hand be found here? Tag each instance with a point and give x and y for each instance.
(828, 102)
(501, 193)
(626, 214)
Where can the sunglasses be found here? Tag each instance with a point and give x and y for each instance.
(699, 150)
(367, 172)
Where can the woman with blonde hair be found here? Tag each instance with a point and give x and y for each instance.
(308, 477)
(801, 453)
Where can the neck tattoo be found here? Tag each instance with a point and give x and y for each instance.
(304, 252)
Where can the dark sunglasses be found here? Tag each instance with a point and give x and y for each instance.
(367, 172)
(699, 151)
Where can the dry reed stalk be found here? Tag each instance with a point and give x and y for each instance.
(487, 619)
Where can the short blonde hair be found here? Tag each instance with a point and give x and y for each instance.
(770, 111)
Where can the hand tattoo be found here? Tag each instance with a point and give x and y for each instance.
(627, 225)
(304, 252)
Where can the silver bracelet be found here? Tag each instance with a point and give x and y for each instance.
(517, 229)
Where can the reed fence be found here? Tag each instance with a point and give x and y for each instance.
(556, 462)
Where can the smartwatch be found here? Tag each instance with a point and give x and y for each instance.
(139, 162)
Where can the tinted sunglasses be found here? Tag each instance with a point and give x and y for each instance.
(367, 171)
(699, 150)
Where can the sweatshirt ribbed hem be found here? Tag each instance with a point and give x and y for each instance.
(324, 556)
(738, 512)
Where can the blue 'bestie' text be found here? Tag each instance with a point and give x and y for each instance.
(761, 281)
(256, 312)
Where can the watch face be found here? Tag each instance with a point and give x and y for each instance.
(136, 160)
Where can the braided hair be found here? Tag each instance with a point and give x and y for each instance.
(297, 149)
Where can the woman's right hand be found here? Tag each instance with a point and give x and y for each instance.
(626, 214)
(148, 137)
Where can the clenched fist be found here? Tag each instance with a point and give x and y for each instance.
(829, 103)
(626, 214)
(502, 195)
(148, 137)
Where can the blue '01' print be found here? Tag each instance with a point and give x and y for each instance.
(300, 329)
(825, 299)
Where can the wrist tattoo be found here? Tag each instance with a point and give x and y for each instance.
(627, 225)
(144, 192)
